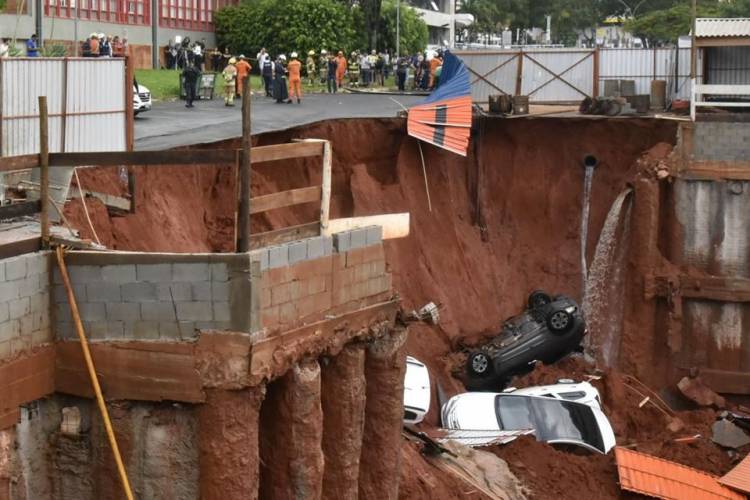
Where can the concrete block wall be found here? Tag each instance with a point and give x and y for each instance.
(726, 141)
(151, 296)
(24, 303)
(351, 276)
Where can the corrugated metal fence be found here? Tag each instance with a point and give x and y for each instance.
(86, 101)
(569, 75)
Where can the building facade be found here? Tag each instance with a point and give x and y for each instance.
(148, 25)
(440, 16)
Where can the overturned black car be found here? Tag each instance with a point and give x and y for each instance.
(549, 329)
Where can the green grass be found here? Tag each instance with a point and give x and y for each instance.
(164, 84)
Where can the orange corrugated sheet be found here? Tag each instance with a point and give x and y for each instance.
(661, 478)
(446, 124)
(739, 477)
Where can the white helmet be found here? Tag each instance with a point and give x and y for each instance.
(282, 57)
(293, 55)
(324, 51)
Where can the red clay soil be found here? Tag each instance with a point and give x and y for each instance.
(477, 260)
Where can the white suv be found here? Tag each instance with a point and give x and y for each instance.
(141, 98)
(581, 392)
(416, 391)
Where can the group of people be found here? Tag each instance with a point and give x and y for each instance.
(101, 45)
(32, 47)
(282, 80)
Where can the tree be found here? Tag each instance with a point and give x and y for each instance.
(660, 27)
(371, 19)
(413, 31)
(282, 26)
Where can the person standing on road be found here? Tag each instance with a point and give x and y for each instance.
(190, 75)
(364, 64)
(94, 45)
(435, 62)
(323, 66)
(266, 70)
(310, 66)
(230, 77)
(354, 70)
(331, 72)
(295, 78)
(402, 67)
(243, 72)
(340, 69)
(280, 90)
(31, 48)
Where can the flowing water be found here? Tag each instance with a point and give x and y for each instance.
(603, 298)
(588, 177)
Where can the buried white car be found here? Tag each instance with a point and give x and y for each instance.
(416, 391)
(554, 421)
(581, 392)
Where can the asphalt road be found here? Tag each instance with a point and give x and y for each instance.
(171, 124)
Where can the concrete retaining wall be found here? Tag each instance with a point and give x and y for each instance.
(153, 296)
(24, 303)
(721, 141)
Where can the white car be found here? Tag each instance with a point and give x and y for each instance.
(141, 99)
(554, 421)
(416, 391)
(581, 392)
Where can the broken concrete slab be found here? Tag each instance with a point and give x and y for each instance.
(697, 391)
(728, 435)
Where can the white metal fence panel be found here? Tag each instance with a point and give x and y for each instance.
(558, 76)
(729, 66)
(490, 73)
(85, 102)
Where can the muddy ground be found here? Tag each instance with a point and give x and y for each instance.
(503, 221)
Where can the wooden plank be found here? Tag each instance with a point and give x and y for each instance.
(243, 214)
(725, 381)
(10, 163)
(394, 225)
(20, 247)
(723, 89)
(325, 199)
(716, 170)
(285, 199)
(279, 236)
(716, 288)
(109, 200)
(20, 209)
(170, 157)
(287, 151)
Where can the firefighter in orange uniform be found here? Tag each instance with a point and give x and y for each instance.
(340, 69)
(435, 62)
(295, 78)
(243, 72)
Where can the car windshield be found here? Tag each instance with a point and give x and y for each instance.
(551, 419)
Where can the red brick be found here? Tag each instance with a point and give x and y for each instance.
(378, 267)
(269, 317)
(265, 297)
(298, 289)
(310, 268)
(354, 257)
(281, 293)
(287, 313)
(279, 275)
(339, 261)
(317, 284)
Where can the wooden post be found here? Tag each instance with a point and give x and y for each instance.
(595, 90)
(325, 201)
(129, 116)
(243, 218)
(44, 169)
(519, 73)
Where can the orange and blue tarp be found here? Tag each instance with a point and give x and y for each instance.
(444, 118)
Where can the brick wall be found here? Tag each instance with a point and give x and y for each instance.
(152, 296)
(24, 303)
(721, 141)
(352, 275)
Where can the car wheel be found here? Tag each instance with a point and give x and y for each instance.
(559, 321)
(479, 364)
(538, 298)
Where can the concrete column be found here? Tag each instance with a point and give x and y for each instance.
(385, 367)
(291, 436)
(228, 441)
(343, 399)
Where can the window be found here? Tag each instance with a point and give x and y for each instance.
(109, 11)
(194, 15)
